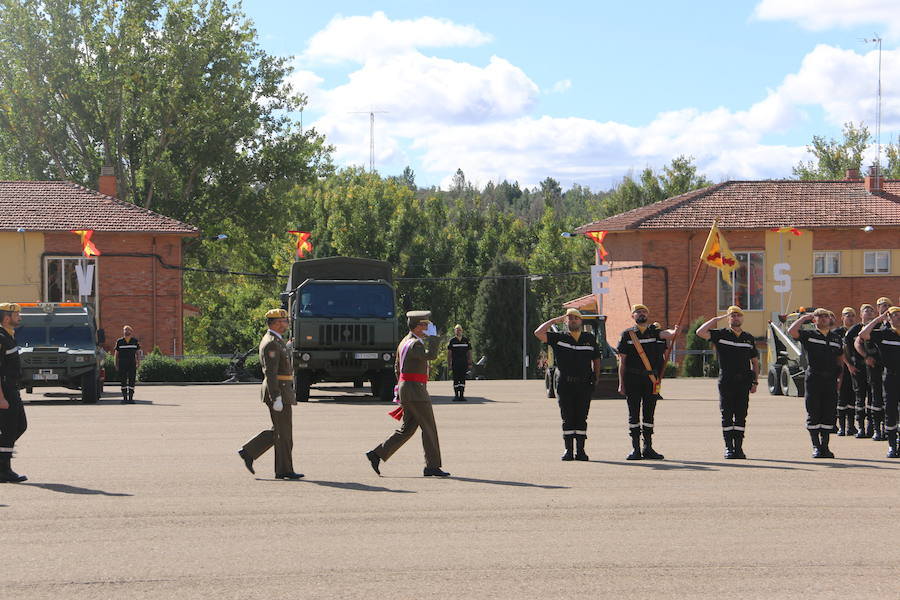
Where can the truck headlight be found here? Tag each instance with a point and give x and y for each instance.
(80, 358)
(305, 357)
(386, 356)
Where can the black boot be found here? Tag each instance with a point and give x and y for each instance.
(739, 445)
(861, 425)
(851, 428)
(648, 450)
(878, 435)
(579, 447)
(893, 451)
(870, 426)
(569, 441)
(7, 475)
(729, 443)
(841, 422)
(635, 445)
(124, 395)
(816, 442)
(823, 447)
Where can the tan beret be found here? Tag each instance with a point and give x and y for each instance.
(10, 307)
(638, 307)
(848, 310)
(865, 306)
(883, 300)
(734, 310)
(893, 309)
(819, 312)
(574, 311)
(277, 313)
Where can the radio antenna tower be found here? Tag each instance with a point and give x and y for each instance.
(877, 40)
(371, 114)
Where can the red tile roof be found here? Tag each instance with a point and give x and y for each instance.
(63, 206)
(765, 204)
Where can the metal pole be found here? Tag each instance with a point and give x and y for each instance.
(524, 327)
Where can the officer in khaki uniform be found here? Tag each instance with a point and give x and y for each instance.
(413, 354)
(278, 395)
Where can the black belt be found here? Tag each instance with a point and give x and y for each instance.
(570, 379)
(643, 372)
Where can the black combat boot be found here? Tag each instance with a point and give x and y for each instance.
(579, 447)
(823, 447)
(892, 443)
(739, 445)
(648, 450)
(124, 395)
(841, 422)
(870, 425)
(861, 425)
(816, 442)
(878, 435)
(635, 445)
(569, 441)
(851, 428)
(7, 475)
(729, 443)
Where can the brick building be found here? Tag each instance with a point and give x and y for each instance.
(847, 253)
(137, 279)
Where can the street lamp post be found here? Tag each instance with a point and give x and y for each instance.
(525, 279)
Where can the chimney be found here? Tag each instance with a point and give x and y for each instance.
(107, 181)
(873, 180)
(852, 174)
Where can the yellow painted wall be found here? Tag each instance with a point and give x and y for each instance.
(853, 263)
(798, 252)
(20, 277)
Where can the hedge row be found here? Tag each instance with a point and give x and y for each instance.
(161, 368)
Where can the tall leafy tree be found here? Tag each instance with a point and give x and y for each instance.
(833, 157)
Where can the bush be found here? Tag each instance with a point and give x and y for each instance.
(109, 365)
(671, 370)
(692, 366)
(209, 368)
(253, 366)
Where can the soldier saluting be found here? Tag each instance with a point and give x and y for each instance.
(884, 333)
(738, 375)
(278, 395)
(12, 412)
(824, 351)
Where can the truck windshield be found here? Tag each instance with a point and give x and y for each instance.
(31, 336)
(71, 336)
(346, 300)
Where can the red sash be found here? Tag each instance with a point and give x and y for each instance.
(417, 377)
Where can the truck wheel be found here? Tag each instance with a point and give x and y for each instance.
(302, 382)
(774, 382)
(89, 393)
(549, 383)
(386, 383)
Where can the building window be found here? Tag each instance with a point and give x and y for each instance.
(61, 274)
(877, 263)
(827, 263)
(749, 283)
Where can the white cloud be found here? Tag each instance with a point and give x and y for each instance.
(359, 38)
(561, 86)
(818, 15)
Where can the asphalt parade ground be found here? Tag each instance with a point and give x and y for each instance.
(151, 501)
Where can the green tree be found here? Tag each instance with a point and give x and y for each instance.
(833, 157)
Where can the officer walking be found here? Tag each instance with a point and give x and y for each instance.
(641, 351)
(12, 412)
(278, 395)
(738, 375)
(577, 358)
(861, 388)
(884, 333)
(459, 359)
(128, 358)
(846, 395)
(411, 365)
(824, 350)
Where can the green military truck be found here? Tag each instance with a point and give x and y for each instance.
(60, 346)
(786, 358)
(343, 322)
(607, 385)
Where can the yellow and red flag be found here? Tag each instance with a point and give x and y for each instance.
(793, 230)
(87, 246)
(303, 243)
(598, 237)
(717, 254)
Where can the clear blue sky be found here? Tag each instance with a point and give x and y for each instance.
(585, 91)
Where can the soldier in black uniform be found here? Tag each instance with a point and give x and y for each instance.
(639, 384)
(861, 389)
(738, 375)
(577, 359)
(884, 333)
(12, 412)
(459, 359)
(846, 395)
(127, 354)
(875, 375)
(824, 350)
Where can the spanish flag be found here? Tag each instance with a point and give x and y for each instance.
(598, 237)
(303, 243)
(793, 230)
(87, 246)
(717, 254)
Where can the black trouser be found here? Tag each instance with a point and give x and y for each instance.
(641, 401)
(821, 401)
(734, 401)
(574, 399)
(861, 391)
(459, 380)
(891, 399)
(127, 379)
(876, 391)
(12, 420)
(846, 396)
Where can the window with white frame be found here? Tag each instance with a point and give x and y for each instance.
(748, 283)
(827, 263)
(877, 262)
(64, 277)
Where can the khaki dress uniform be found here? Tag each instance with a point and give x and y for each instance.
(278, 381)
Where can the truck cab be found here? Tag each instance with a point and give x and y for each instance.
(60, 346)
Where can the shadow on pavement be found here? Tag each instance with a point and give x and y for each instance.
(71, 489)
(344, 485)
(510, 483)
(829, 462)
(659, 465)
